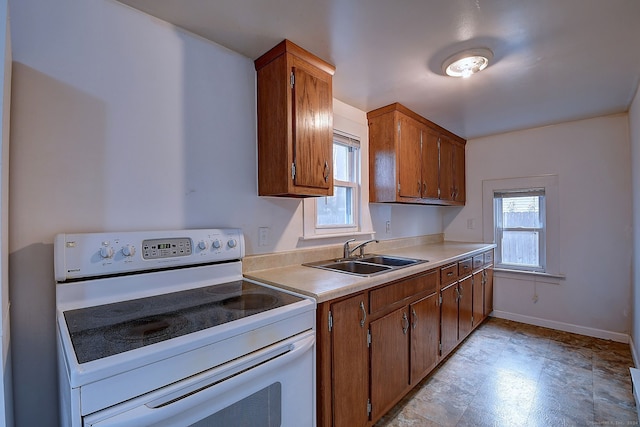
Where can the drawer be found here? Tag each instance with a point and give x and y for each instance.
(382, 297)
(448, 274)
(464, 267)
(478, 261)
(488, 257)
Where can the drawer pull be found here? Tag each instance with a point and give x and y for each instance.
(449, 274)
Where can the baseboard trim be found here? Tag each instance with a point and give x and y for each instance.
(566, 327)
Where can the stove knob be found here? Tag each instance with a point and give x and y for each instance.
(128, 250)
(202, 245)
(232, 243)
(106, 252)
(216, 244)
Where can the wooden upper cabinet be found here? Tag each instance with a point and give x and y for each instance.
(452, 165)
(412, 160)
(295, 123)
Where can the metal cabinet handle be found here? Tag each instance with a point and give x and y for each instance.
(461, 289)
(449, 274)
(424, 188)
(405, 328)
(364, 314)
(457, 293)
(415, 318)
(326, 171)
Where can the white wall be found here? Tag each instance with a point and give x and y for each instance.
(6, 386)
(591, 159)
(122, 122)
(634, 136)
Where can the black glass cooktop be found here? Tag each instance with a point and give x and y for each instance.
(105, 330)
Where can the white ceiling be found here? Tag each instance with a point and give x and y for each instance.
(554, 60)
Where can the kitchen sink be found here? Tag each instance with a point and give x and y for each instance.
(370, 265)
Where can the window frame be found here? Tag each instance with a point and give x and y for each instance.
(311, 228)
(553, 240)
(499, 229)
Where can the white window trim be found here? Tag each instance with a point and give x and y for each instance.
(542, 231)
(311, 230)
(550, 183)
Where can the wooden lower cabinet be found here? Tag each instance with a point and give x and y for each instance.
(488, 290)
(350, 362)
(465, 307)
(425, 321)
(478, 297)
(389, 360)
(375, 345)
(448, 318)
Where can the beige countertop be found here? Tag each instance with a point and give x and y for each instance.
(324, 285)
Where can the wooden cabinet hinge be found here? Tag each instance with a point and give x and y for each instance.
(293, 171)
(330, 321)
(292, 79)
(369, 409)
(368, 338)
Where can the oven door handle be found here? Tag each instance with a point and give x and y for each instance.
(212, 386)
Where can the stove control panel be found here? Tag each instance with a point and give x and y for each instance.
(78, 256)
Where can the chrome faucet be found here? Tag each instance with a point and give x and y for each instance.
(348, 251)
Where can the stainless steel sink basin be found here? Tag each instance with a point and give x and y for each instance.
(355, 267)
(390, 260)
(368, 266)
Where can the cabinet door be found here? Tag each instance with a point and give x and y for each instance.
(449, 318)
(465, 322)
(478, 297)
(488, 291)
(430, 160)
(425, 321)
(389, 360)
(409, 178)
(459, 188)
(350, 362)
(312, 130)
(447, 190)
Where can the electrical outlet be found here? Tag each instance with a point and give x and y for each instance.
(388, 227)
(263, 236)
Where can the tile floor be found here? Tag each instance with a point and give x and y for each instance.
(512, 374)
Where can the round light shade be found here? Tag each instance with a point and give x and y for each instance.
(468, 62)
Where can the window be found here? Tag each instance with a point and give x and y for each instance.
(341, 209)
(520, 229)
(338, 215)
(522, 217)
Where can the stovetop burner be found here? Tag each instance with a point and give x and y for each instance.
(110, 329)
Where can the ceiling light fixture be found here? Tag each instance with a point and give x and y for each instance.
(468, 62)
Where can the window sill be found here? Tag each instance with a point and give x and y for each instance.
(529, 273)
(333, 235)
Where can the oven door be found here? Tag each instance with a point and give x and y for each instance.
(274, 386)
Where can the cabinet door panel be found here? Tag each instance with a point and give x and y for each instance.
(488, 291)
(430, 160)
(449, 318)
(459, 173)
(350, 363)
(465, 323)
(389, 359)
(425, 318)
(478, 297)
(409, 158)
(447, 190)
(312, 130)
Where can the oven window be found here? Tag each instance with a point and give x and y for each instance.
(262, 409)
